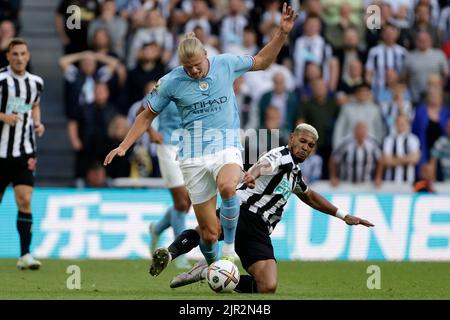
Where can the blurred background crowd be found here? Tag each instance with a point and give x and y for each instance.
(377, 96)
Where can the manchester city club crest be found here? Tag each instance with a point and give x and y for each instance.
(203, 85)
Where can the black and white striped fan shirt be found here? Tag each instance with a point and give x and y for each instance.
(311, 50)
(399, 145)
(272, 191)
(17, 95)
(356, 162)
(381, 58)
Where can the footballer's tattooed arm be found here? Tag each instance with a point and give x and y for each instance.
(316, 201)
(260, 168)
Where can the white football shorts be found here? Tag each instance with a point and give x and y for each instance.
(200, 173)
(169, 165)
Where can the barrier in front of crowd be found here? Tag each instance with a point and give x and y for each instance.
(113, 223)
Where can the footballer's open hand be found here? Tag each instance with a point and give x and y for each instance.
(119, 151)
(352, 220)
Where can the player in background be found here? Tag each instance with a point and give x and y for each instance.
(210, 158)
(20, 120)
(264, 192)
(166, 150)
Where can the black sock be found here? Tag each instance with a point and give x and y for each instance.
(24, 223)
(247, 284)
(185, 242)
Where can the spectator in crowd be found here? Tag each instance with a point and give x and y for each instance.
(10, 11)
(88, 131)
(424, 183)
(101, 44)
(312, 167)
(7, 33)
(155, 30)
(386, 95)
(349, 52)
(276, 135)
(148, 68)
(143, 159)
(374, 34)
(398, 103)
(321, 112)
(335, 33)
(362, 109)
(115, 26)
(357, 159)
(259, 82)
(422, 22)
(270, 18)
(422, 62)
(401, 152)
(282, 99)
(200, 16)
(249, 43)
(80, 80)
(332, 11)
(248, 109)
(232, 27)
(312, 48)
(96, 176)
(443, 26)
(309, 8)
(387, 55)
(117, 130)
(71, 32)
(350, 82)
(127, 8)
(440, 157)
(430, 123)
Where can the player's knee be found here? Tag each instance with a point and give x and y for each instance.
(23, 202)
(182, 205)
(227, 189)
(210, 236)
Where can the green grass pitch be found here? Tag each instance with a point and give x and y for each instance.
(128, 279)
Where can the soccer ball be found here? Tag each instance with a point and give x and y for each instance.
(222, 276)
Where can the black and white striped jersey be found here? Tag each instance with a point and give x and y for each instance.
(17, 95)
(311, 50)
(399, 145)
(272, 191)
(357, 163)
(381, 58)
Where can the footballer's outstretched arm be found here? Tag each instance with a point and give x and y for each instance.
(316, 201)
(267, 55)
(140, 125)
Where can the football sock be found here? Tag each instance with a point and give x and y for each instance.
(210, 251)
(229, 214)
(24, 223)
(247, 284)
(177, 221)
(185, 242)
(164, 223)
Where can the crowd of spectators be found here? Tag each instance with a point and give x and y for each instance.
(378, 96)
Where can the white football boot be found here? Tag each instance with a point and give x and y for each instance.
(28, 262)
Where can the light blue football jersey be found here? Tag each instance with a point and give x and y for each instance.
(169, 122)
(208, 108)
